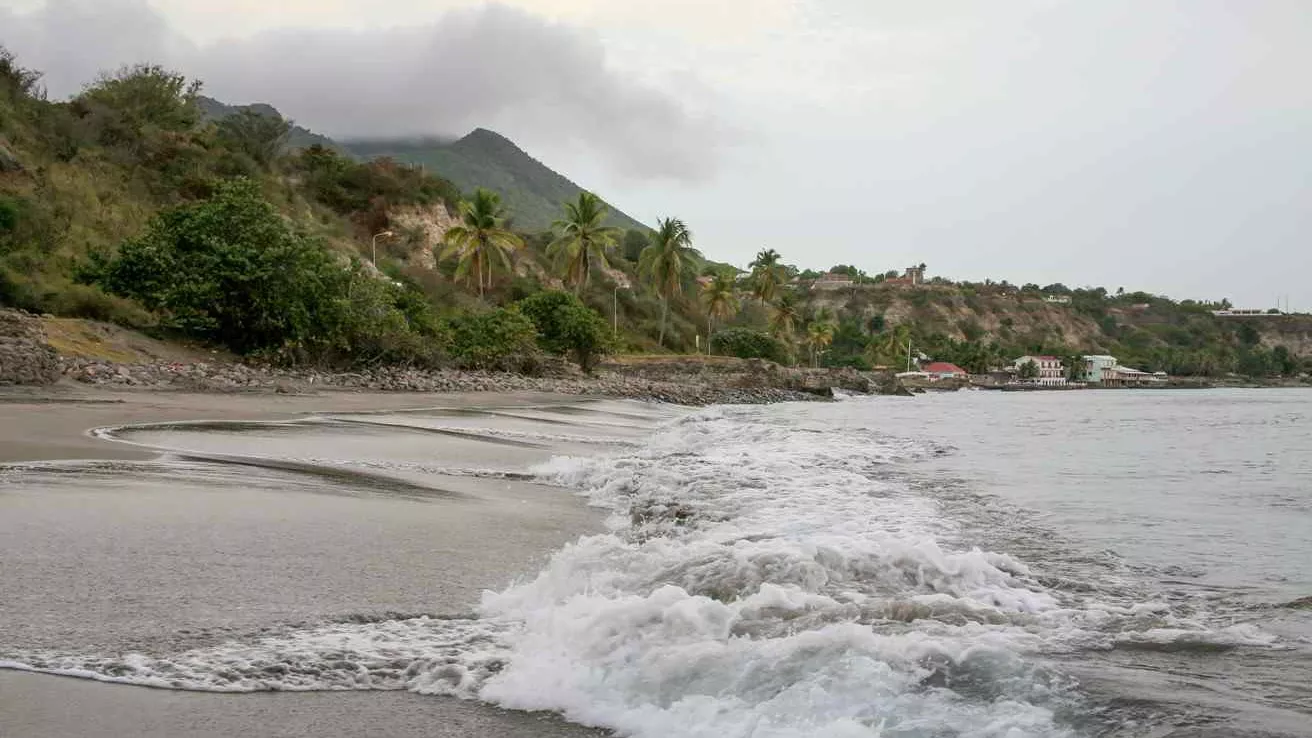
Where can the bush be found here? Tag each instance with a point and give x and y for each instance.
(502, 339)
(566, 326)
(749, 344)
(230, 270)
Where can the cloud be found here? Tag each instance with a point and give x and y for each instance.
(492, 66)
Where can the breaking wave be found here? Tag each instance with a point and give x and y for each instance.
(760, 577)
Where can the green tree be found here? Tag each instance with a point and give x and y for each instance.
(890, 347)
(749, 344)
(481, 240)
(666, 263)
(260, 137)
(721, 299)
(229, 269)
(566, 326)
(819, 334)
(133, 105)
(501, 339)
(767, 275)
(784, 316)
(582, 240)
(635, 241)
(1028, 370)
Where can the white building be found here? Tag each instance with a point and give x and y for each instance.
(1051, 370)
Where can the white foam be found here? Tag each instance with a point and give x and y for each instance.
(762, 578)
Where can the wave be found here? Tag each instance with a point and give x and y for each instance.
(761, 577)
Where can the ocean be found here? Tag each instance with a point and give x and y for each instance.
(976, 564)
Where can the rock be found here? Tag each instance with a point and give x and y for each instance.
(25, 357)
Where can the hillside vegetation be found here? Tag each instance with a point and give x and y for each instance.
(130, 204)
(140, 203)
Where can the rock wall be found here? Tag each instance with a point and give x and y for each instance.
(25, 357)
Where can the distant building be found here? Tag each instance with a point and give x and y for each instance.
(833, 281)
(944, 370)
(1058, 299)
(913, 276)
(1095, 366)
(1238, 312)
(1124, 376)
(1051, 369)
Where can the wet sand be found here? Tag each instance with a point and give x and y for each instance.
(165, 562)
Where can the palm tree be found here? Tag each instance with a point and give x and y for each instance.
(819, 334)
(583, 239)
(479, 238)
(784, 316)
(666, 262)
(890, 348)
(767, 275)
(721, 302)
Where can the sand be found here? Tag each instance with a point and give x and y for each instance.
(75, 562)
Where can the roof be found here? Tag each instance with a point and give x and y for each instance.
(943, 367)
(1039, 358)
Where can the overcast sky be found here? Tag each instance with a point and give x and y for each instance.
(1163, 145)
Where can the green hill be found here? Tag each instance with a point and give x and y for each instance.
(532, 191)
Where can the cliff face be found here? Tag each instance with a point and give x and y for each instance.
(963, 317)
(1294, 332)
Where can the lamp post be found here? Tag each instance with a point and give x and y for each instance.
(374, 248)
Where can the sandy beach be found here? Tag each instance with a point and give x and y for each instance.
(154, 561)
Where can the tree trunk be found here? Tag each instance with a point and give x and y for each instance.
(710, 331)
(665, 310)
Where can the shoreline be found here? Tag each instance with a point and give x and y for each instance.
(487, 537)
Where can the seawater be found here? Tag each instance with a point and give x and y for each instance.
(974, 564)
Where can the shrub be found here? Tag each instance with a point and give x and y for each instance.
(502, 339)
(566, 326)
(230, 269)
(749, 344)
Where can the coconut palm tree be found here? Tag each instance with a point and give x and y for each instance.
(767, 275)
(784, 316)
(583, 239)
(819, 334)
(721, 302)
(666, 262)
(889, 349)
(480, 240)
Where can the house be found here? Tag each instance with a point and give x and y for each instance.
(944, 370)
(1095, 366)
(1058, 299)
(833, 281)
(1051, 370)
(1124, 376)
(914, 275)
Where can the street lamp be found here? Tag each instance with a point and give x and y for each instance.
(374, 249)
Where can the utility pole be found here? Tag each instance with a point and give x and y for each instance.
(908, 354)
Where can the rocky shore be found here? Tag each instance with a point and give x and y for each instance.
(27, 359)
(223, 377)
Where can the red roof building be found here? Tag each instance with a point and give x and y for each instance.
(944, 370)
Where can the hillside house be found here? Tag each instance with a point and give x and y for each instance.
(1052, 371)
(914, 275)
(833, 281)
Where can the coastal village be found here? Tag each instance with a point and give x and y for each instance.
(1038, 373)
